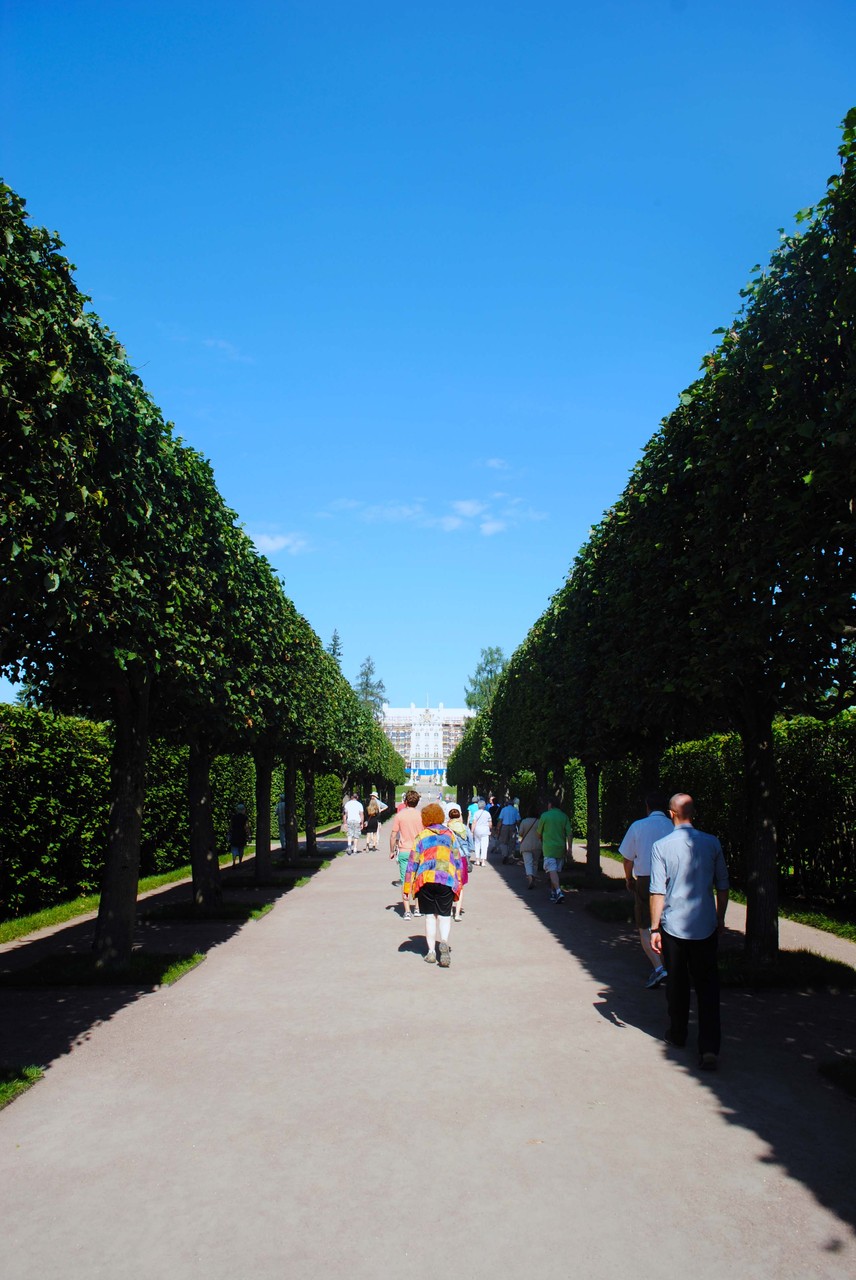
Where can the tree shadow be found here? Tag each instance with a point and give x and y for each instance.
(39, 1025)
(773, 1042)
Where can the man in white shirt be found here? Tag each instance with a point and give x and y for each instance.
(352, 812)
(635, 849)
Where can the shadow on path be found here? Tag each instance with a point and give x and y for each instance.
(40, 1024)
(772, 1043)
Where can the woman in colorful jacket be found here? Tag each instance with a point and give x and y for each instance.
(433, 877)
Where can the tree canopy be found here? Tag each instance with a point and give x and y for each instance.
(483, 681)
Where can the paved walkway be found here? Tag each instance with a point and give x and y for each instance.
(315, 1101)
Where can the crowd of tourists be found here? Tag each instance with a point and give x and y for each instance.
(675, 873)
(437, 846)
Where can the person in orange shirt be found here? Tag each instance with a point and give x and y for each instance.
(406, 826)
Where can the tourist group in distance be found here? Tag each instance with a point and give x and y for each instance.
(675, 873)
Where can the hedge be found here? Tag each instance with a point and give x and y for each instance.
(54, 797)
(816, 802)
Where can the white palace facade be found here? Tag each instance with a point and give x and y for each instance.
(425, 737)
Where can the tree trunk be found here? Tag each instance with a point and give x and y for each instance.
(117, 911)
(205, 865)
(592, 820)
(309, 808)
(762, 869)
(264, 772)
(558, 770)
(541, 786)
(289, 773)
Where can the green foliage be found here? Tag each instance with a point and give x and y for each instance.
(471, 764)
(371, 690)
(718, 590)
(816, 801)
(146, 969)
(54, 797)
(328, 800)
(575, 786)
(17, 1080)
(54, 794)
(334, 648)
(481, 685)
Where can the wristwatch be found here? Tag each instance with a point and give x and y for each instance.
(654, 930)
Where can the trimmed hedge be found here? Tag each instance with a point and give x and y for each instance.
(328, 800)
(816, 767)
(54, 797)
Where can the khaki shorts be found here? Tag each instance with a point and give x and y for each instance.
(642, 901)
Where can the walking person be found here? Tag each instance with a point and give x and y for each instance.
(557, 834)
(239, 833)
(480, 827)
(374, 810)
(635, 849)
(459, 829)
(353, 817)
(405, 828)
(433, 877)
(687, 868)
(530, 845)
(509, 819)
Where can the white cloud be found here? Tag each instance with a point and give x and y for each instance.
(448, 523)
(269, 543)
(498, 464)
(387, 512)
(490, 527)
(469, 507)
(229, 350)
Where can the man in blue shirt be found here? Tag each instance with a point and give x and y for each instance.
(687, 866)
(509, 818)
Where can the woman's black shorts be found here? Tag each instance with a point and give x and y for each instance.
(435, 900)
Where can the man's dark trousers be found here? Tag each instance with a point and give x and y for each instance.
(692, 962)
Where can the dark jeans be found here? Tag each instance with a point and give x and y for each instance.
(692, 961)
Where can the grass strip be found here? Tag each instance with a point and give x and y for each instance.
(147, 969)
(15, 1081)
(814, 919)
(86, 904)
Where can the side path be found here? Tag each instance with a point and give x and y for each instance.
(316, 1100)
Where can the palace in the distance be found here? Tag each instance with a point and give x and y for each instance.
(425, 737)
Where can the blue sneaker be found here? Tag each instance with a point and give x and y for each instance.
(658, 975)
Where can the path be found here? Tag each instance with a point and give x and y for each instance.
(315, 1101)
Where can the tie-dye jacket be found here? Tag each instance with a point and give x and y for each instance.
(434, 860)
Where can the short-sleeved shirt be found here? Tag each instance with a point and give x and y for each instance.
(555, 830)
(353, 811)
(481, 823)
(509, 815)
(640, 839)
(686, 866)
(408, 824)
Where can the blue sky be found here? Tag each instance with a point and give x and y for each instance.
(420, 279)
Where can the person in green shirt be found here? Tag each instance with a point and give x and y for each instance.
(556, 832)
